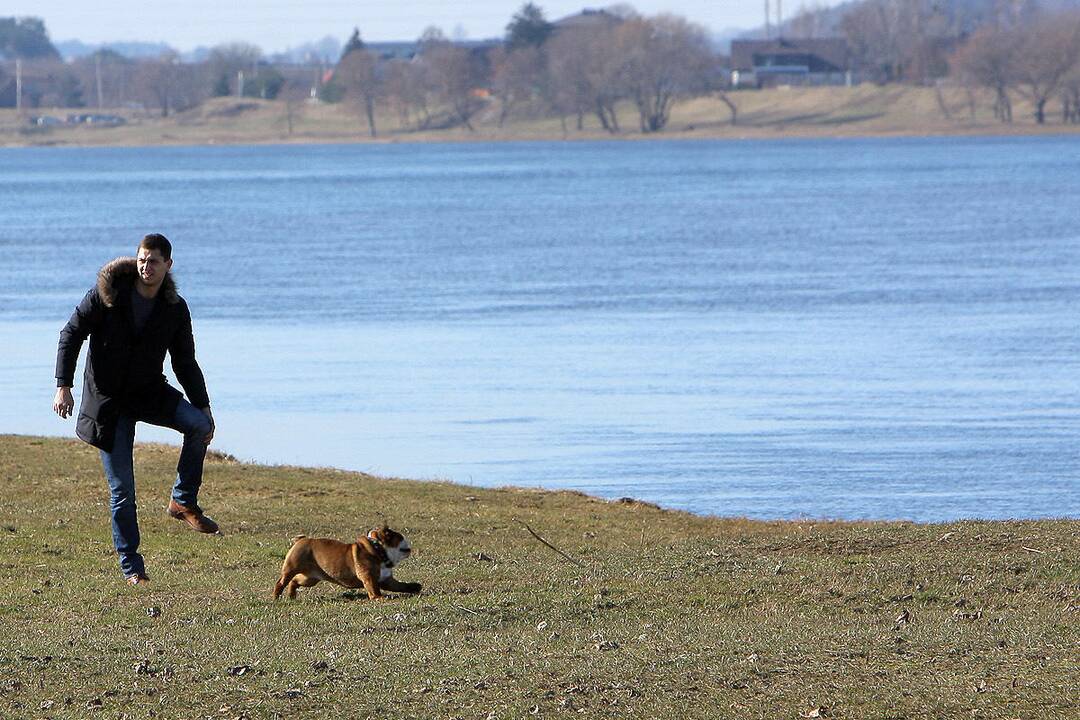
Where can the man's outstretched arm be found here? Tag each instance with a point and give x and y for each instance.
(73, 335)
(188, 372)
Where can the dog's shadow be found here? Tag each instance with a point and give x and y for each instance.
(349, 596)
(360, 595)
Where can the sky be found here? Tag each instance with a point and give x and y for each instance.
(275, 25)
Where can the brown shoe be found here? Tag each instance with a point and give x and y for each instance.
(193, 516)
(137, 580)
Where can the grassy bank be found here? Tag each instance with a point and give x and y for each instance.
(865, 110)
(661, 614)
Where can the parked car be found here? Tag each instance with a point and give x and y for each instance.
(95, 119)
(46, 121)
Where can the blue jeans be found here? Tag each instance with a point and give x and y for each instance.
(120, 472)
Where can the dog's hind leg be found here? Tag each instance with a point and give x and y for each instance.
(281, 583)
(301, 581)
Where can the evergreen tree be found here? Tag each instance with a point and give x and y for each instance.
(25, 38)
(355, 43)
(70, 91)
(221, 87)
(528, 28)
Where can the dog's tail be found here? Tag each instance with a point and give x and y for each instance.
(297, 539)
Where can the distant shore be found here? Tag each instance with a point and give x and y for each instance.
(828, 112)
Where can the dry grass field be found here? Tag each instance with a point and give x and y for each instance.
(864, 110)
(651, 614)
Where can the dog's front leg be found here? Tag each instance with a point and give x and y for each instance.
(372, 587)
(389, 584)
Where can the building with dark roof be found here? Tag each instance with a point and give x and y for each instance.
(784, 61)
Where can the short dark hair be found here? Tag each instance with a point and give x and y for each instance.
(157, 241)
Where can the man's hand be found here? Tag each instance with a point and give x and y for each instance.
(63, 403)
(209, 435)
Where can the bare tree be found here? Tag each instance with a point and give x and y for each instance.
(227, 61)
(410, 85)
(606, 77)
(431, 36)
(49, 82)
(1070, 96)
(1006, 14)
(664, 58)
(988, 59)
(873, 31)
(517, 76)
(414, 85)
(457, 74)
(1048, 51)
(717, 83)
(808, 22)
(107, 77)
(296, 92)
(397, 85)
(897, 40)
(569, 90)
(725, 98)
(167, 84)
(358, 73)
(588, 66)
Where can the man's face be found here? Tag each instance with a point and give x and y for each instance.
(152, 267)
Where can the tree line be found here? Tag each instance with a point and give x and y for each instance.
(613, 56)
(589, 68)
(617, 66)
(166, 83)
(1012, 48)
(1035, 57)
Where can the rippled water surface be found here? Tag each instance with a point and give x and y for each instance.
(856, 328)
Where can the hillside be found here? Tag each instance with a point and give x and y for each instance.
(864, 110)
(645, 613)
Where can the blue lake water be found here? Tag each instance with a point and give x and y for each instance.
(850, 328)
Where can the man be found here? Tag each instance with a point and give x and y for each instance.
(133, 317)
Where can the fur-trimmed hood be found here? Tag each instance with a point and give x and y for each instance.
(122, 269)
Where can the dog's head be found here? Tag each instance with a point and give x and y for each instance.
(394, 543)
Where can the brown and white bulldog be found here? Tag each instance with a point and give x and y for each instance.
(369, 563)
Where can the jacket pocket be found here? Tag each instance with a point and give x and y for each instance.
(90, 430)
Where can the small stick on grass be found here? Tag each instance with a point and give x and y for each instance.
(560, 552)
(468, 610)
(1030, 549)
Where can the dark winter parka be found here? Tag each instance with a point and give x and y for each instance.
(124, 368)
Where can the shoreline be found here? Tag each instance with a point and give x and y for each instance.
(860, 112)
(803, 135)
(216, 456)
